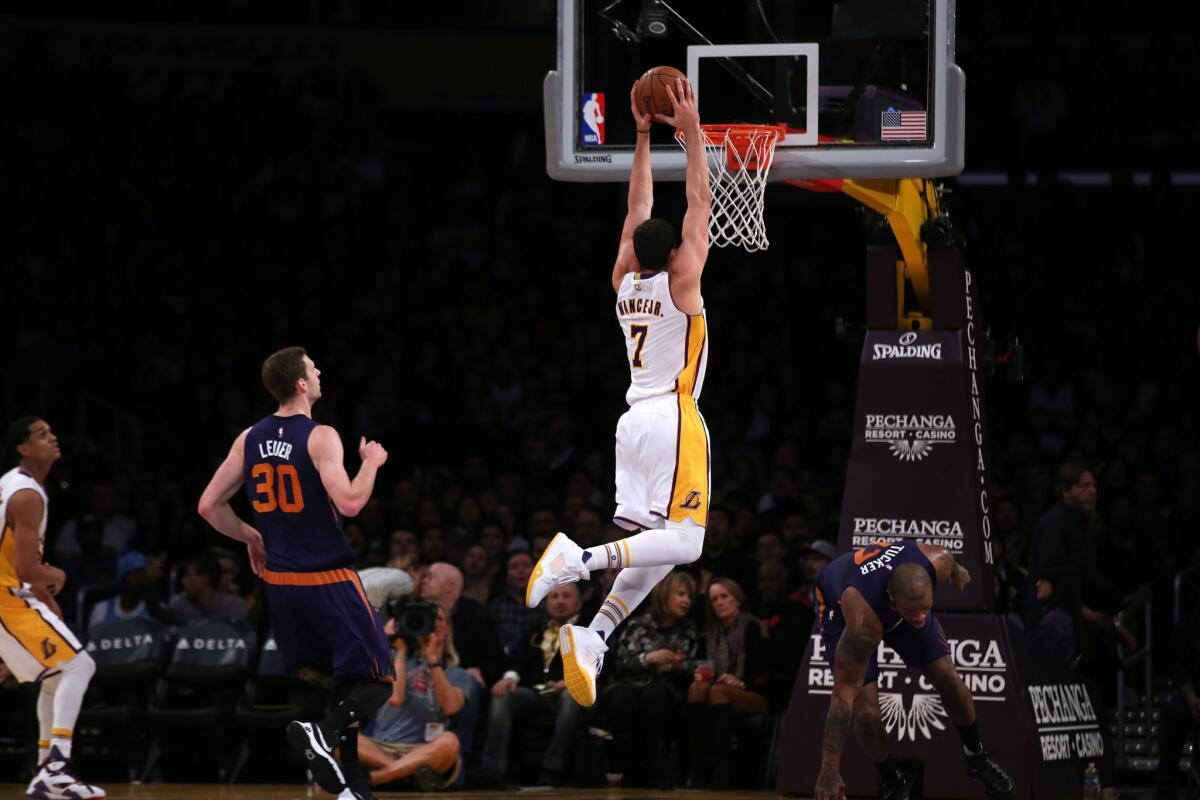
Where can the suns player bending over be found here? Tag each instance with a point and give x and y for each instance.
(884, 592)
(662, 471)
(34, 641)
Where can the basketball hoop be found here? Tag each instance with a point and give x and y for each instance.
(739, 159)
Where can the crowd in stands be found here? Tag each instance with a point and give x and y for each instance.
(158, 248)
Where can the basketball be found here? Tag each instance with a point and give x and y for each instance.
(652, 97)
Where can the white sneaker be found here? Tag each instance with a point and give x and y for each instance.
(55, 780)
(561, 563)
(582, 652)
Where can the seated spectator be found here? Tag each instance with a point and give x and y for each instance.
(230, 571)
(136, 576)
(1058, 634)
(770, 593)
(494, 540)
(408, 737)
(478, 574)
(116, 528)
(93, 565)
(533, 686)
(200, 599)
(507, 609)
(433, 545)
(735, 686)
(1180, 711)
(813, 558)
(404, 543)
(481, 653)
(769, 548)
(643, 704)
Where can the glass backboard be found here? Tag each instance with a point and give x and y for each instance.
(867, 88)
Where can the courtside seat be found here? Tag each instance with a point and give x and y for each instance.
(130, 656)
(272, 698)
(192, 707)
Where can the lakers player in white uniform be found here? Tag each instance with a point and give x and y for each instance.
(662, 463)
(34, 641)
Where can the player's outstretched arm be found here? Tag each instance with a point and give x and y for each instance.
(688, 264)
(946, 565)
(214, 503)
(859, 640)
(641, 194)
(325, 447)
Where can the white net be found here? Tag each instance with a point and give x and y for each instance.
(739, 160)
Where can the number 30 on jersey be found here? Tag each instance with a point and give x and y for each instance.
(275, 483)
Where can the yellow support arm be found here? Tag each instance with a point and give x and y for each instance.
(906, 204)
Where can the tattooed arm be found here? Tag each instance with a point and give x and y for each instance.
(854, 650)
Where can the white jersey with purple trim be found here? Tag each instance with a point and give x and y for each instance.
(667, 349)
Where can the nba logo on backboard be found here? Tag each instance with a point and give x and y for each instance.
(593, 117)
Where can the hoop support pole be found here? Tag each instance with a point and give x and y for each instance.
(906, 204)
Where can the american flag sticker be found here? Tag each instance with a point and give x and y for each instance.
(902, 126)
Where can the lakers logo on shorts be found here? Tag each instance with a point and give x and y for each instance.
(49, 648)
(692, 501)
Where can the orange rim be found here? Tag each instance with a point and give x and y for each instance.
(746, 146)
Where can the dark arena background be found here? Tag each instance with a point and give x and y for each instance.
(186, 187)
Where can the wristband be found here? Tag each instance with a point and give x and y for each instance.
(512, 675)
(438, 663)
(639, 130)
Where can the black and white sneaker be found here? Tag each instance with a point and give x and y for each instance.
(981, 769)
(306, 740)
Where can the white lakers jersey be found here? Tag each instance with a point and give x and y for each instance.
(667, 349)
(12, 482)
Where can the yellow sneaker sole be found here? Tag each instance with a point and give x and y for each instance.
(579, 682)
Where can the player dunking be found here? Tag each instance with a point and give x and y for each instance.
(662, 470)
(885, 592)
(291, 469)
(34, 641)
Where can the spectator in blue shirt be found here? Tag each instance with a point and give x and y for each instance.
(409, 737)
(136, 597)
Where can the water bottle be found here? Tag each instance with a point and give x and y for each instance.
(1091, 782)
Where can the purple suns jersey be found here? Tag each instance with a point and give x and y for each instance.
(868, 570)
(300, 526)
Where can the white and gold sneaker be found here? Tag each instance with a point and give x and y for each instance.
(582, 652)
(561, 563)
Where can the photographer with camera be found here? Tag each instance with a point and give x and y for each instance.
(409, 736)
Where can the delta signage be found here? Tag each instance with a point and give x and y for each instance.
(914, 471)
(1019, 698)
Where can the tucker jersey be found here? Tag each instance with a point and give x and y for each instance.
(667, 349)
(868, 570)
(12, 482)
(301, 528)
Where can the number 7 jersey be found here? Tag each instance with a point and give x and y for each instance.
(300, 526)
(666, 348)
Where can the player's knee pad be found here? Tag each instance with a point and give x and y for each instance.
(691, 537)
(81, 666)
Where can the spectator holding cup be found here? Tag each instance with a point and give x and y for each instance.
(730, 682)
